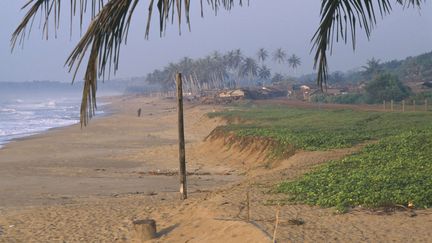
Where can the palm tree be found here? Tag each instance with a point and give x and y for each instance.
(279, 56)
(277, 77)
(216, 55)
(264, 73)
(372, 68)
(186, 68)
(238, 58)
(294, 61)
(336, 77)
(249, 68)
(111, 20)
(262, 55)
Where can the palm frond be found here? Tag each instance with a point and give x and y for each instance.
(103, 37)
(340, 20)
(51, 9)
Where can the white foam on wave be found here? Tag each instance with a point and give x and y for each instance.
(104, 103)
(25, 118)
(51, 103)
(54, 122)
(32, 127)
(48, 104)
(27, 113)
(9, 110)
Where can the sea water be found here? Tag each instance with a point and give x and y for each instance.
(26, 115)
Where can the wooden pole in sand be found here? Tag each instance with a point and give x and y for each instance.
(182, 152)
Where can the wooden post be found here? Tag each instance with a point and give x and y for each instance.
(403, 105)
(182, 152)
(391, 105)
(414, 104)
(384, 105)
(144, 230)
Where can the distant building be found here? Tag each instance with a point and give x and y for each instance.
(238, 93)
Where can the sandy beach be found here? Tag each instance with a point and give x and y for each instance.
(88, 185)
(110, 156)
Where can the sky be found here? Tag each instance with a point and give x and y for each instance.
(289, 24)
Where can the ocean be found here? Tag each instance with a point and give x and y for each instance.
(27, 113)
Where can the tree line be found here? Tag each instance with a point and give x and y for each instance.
(384, 80)
(224, 70)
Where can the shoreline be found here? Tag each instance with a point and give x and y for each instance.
(105, 112)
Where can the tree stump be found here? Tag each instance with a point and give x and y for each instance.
(144, 229)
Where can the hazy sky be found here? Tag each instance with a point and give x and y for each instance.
(289, 24)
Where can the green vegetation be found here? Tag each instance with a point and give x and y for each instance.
(383, 81)
(386, 87)
(412, 68)
(397, 170)
(383, 86)
(312, 129)
(354, 98)
(417, 68)
(420, 97)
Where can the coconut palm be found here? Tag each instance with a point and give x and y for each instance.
(111, 20)
(264, 73)
(216, 55)
(294, 61)
(262, 55)
(249, 68)
(233, 60)
(372, 68)
(279, 56)
(238, 58)
(277, 78)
